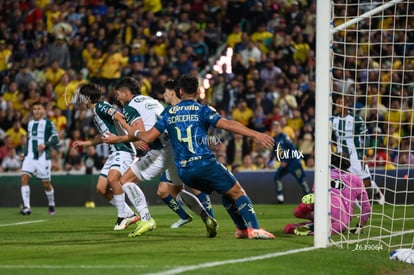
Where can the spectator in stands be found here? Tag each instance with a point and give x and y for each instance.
(24, 77)
(73, 163)
(59, 51)
(242, 113)
(237, 147)
(54, 72)
(15, 133)
(11, 163)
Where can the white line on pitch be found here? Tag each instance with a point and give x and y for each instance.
(20, 223)
(234, 261)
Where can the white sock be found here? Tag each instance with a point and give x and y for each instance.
(25, 190)
(119, 204)
(137, 198)
(50, 196)
(112, 202)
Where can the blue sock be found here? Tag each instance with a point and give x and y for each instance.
(246, 210)
(206, 202)
(234, 214)
(175, 206)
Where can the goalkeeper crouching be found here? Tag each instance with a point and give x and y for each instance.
(346, 188)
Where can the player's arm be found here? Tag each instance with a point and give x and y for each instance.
(238, 128)
(138, 125)
(96, 140)
(146, 136)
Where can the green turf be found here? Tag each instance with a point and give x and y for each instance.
(81, 241)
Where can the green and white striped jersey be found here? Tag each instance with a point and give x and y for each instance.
(349, 132)
(41, 131)
(103, 113)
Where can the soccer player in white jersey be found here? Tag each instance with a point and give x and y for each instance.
(349, 130)
(120, 158)
(41, 136)
(141, 113)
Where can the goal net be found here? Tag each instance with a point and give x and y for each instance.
(371, 77)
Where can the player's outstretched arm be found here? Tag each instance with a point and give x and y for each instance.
(79, 144)
(146, 136)
(112, 139)
(238, 128)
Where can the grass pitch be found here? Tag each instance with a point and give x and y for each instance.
(81, 241)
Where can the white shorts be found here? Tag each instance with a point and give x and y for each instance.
(38, 167)
(154, 163)
(119, 160)
(357, 169)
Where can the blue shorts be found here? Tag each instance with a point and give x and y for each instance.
(207, 175)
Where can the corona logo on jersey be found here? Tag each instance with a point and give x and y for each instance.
(175, 109)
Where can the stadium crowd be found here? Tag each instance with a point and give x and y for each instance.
(49, 48)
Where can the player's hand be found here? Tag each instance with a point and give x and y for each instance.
(141, 145)
(110, 138)
(266, 140)
(356, 230)
(78, 144)
(41, 147)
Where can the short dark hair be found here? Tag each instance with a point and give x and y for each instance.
(37, 103)
(92, 91)
(130, 83)
(172, 85)
(189, 84)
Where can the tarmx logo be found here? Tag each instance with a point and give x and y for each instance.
(282, 154)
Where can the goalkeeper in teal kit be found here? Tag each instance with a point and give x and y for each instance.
(187, 124)
(290, 160)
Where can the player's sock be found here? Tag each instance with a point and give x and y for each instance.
(279, 191)
(206, 202)
(233, 212)
(50, 196)
(25, 191)
(112, 202)
(305, 187)
(175, 206)
(245, 208)
(137, 198)
(120, 204)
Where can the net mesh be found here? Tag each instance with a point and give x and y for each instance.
(372, 72)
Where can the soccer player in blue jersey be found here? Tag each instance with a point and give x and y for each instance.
(187, 124)
(41, 136)
(172, 96)
(141, 113)
(290, 160)
(120, 158)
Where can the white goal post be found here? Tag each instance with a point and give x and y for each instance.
(365, 52)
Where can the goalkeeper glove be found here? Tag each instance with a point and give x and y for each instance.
(357, 230)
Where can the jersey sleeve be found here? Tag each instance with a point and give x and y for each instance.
(131, 114)
(360, 127)
(52, 134)
(211, 116)
(161, 124)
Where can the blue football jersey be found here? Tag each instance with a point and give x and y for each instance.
(187, 124)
